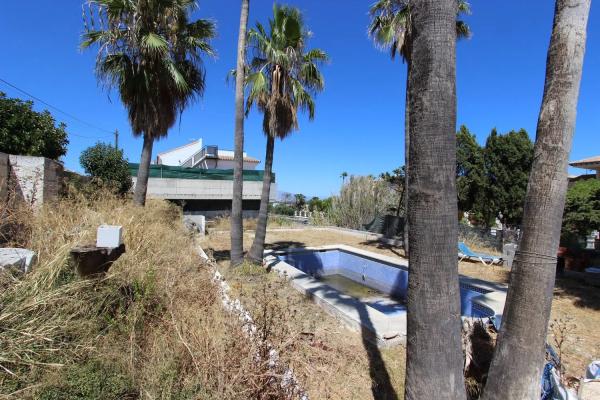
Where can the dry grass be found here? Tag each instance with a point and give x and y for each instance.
(575, 298)
(224, 223)
(153, 327)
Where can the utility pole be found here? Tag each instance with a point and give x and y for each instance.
(117, 139)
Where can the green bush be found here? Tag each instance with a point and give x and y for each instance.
(282, 209)
(27, 132)
(107, 167)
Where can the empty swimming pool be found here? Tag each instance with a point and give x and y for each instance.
(360, 286)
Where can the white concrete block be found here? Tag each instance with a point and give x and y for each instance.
(15, 257)
(109, 236)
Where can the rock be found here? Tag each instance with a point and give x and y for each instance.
(589, 390)
(15, 257)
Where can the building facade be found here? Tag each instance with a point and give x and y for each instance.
(200, 179)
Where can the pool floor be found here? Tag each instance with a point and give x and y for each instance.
(369, 296)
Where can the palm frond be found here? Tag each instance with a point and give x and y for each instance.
(154, 43)
(152, 54)
(282, 75)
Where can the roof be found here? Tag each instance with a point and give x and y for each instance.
(591, 162)
(180, 147)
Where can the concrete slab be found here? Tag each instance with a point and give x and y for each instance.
(18, 258)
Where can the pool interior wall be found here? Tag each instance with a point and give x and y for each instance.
(388, 278)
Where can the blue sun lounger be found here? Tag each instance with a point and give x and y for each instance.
(465, 252)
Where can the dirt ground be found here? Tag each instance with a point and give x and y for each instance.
(336, 363)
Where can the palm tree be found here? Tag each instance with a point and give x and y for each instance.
(516, 367)
(433, 340)
(150, 51)
(237, 226)
(390, 29)
(282, 78)
(344, 175)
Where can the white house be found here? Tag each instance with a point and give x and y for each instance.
(194, 155)
(590, 164)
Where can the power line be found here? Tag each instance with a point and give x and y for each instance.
(61, 111)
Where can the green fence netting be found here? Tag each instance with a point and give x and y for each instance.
(166, 171)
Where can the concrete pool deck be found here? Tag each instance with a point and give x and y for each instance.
(359, 315)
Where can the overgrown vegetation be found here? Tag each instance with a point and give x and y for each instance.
(153, 327)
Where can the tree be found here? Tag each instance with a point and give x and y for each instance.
(433, 300)
(107, 165)
(582, 209)
(391, 29)
(397, 179)
(283, 77)
(471, 180)
(151, 53)
(300, 200)
(344, 175)
(27, 132)
(518, 359)
(237, 226)
(508, 159)
(315, 204)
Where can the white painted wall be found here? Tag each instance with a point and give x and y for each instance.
(38, 179)
(177, 156)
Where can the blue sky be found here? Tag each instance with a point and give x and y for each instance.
(360, 115)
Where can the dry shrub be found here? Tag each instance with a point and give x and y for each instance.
(479, 341)
(155, 319)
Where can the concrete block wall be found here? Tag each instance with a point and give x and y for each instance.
(35, 179)
(4, 175)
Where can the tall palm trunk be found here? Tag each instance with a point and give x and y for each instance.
(237, 227)
(434, 364)
(141, 184)
(517, 365)
(406, 161)
(258, 245)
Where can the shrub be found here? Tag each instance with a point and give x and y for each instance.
(282, 209)
(360, 200)
(107, 167)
